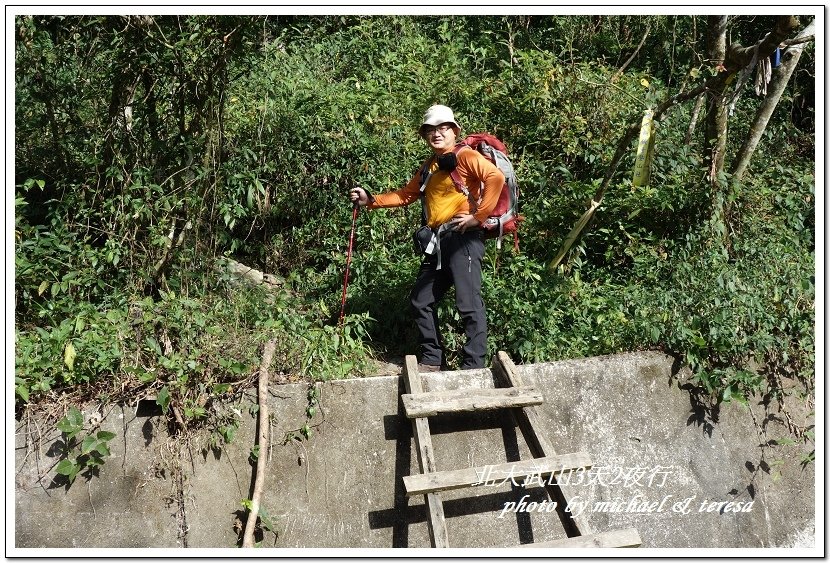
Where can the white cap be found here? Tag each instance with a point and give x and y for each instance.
(436, 115)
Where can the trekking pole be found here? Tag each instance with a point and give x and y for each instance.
(348, 264)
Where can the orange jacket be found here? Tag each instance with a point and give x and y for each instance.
(443, 200)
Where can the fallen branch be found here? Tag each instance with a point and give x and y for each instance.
(262, 442)
(172, 243)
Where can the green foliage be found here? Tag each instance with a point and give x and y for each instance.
(246, 134)
(305, 432)
(264, 520)
(76, 351)
(84, 455)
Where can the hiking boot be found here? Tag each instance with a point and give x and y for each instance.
(427, 368)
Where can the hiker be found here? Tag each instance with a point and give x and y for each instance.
(453, 243)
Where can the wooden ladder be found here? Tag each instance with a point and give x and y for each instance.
(546, 464)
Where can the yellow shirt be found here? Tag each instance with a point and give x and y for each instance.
(443, 200)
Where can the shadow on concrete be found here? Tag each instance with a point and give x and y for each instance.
(402, 515)
(704, 411)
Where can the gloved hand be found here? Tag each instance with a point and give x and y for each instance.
(359, 196)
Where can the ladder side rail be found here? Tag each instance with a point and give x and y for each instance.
(528, 422)
(436, 521)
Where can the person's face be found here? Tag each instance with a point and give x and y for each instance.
(440, 138)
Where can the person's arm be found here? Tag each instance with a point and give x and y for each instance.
(404, 196)
(477, 167)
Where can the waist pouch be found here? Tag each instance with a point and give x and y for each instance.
(425, 240)
(428, 241)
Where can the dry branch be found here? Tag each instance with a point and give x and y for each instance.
(633, 55)
(262, 442)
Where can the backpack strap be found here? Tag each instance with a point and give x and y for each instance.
(456, 178)
(425, 176)
(454, 175)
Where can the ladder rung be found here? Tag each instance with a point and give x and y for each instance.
(537, 470)
(466, 400)
(628, 537)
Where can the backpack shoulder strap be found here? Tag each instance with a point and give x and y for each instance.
(425, 173)
(456, 177)
(425, 176)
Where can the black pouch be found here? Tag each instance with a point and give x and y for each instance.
(422, 239)
(447, 162)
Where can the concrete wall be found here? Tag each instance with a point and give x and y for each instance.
(649, 440)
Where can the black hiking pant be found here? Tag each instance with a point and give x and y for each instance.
(461, 257)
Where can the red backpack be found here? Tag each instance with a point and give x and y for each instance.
(505, 218)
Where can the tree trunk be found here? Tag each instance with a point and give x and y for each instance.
(737, 58)
(715, 144)
(693, 121)
(780, 79)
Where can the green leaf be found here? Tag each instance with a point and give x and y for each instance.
(88, 444)
(154, 345)
(221, 388)
(23, 392)
(194, 412)
(266, 520)
(163, 399)
(69, 356)
(44, 285)
(76, 417)
(68, 468)
(72, 423)
(105, 435)
(146, 376)
(655, 334)
(727, 393)
(227, 433)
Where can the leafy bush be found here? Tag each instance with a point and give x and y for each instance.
(248, 143)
